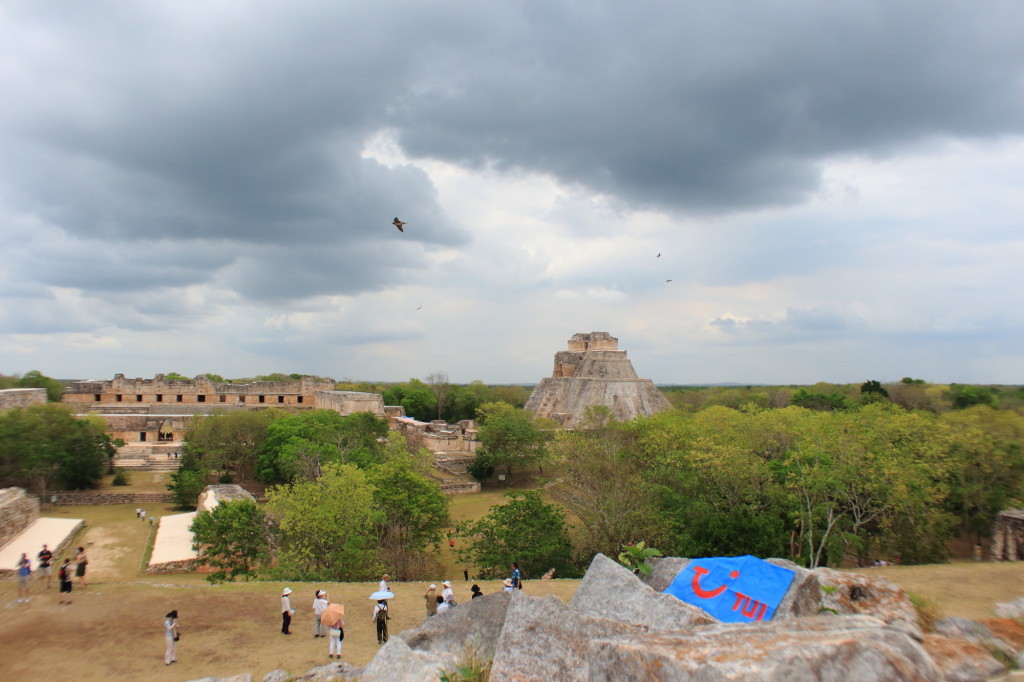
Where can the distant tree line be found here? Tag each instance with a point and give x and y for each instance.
(908, 393)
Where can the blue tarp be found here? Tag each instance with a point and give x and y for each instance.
(740, 589)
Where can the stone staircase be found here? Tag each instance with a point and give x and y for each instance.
(148, 457)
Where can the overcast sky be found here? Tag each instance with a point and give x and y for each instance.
(836, 188)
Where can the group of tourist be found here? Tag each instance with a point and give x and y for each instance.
(329, 620)
(64, 575)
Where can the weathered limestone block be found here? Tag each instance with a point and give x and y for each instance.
(277, 676)
(663, 572)
(546, 640)
(837, 649)
(981, 634)
(441, 640)
(959, 660)
(1011, 609)
(244, 677)
(331, 672)
(854, 593)
(610, 591)
(396, 661)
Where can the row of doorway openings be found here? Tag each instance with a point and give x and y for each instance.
(199, 398)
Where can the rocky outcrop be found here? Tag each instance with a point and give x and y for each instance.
(831, 626)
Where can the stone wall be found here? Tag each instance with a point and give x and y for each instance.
(86, 498)
(18, 511)
(1008, 536)
(350, 402)
(438, 436)
(159, 391)
(21, 397)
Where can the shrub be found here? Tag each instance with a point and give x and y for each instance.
(121, 478)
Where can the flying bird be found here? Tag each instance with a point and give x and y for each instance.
(420, 308)
(659, 255)
(398, 223)
(668, 280)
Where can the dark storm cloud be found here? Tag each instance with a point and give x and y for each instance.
(237, 131)
(722, 106)
(237, 134)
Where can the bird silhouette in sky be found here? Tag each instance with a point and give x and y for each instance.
(398, 223)
(668, 280)
(658, 256)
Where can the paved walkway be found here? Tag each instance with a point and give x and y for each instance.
(49, 531)
(173, 539)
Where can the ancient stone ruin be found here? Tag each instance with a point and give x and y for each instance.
(1008, 536)
(11, 398)
(593, 371)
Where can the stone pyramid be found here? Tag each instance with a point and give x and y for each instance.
(593, 371)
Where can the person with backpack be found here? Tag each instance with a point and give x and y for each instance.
(381, 618)
(64, 577)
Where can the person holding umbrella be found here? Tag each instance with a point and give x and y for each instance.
(333, 618)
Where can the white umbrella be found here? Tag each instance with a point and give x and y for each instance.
(382, 594)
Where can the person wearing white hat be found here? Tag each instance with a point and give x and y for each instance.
(507, 585)
(319, 604)
(447, 594)
(286, 611)
(431, 598)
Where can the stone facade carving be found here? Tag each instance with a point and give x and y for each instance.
(21, 397)
(593, 371)
(1008, 536)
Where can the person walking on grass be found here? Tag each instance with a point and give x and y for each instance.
(172, 636)
(286, 611)
(383, 587)
(64, 578)
(381, 618)
(319, 604)
(46, 565)
(24, 567)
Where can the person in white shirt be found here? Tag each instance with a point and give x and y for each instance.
(384, 583)
(286, 611)
(319, 604)
(447, 594)
(171, 635)
(442, 606)
(507, 585)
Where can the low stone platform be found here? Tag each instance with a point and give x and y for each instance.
(172, 549)
(57, 534)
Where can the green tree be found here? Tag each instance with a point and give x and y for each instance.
(230, 441)
(969, 396)
(523, 529)
(606, 492)
(46, 445)
(186, 485)
(36, 379)
(322, 526)
(413, 510)
(232, 538)
(509, 436)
